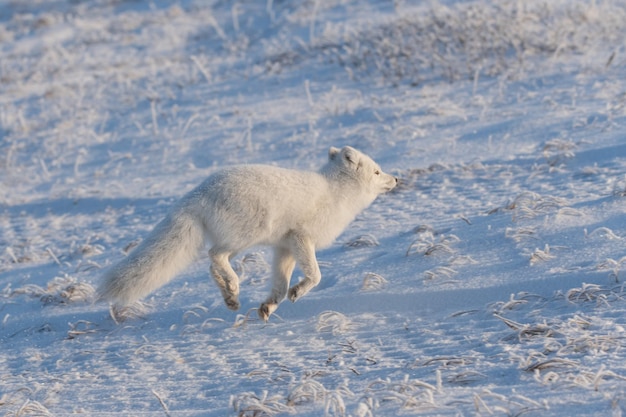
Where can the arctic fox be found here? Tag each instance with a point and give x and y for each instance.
(295, 212)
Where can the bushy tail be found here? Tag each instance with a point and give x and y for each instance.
(169, 248)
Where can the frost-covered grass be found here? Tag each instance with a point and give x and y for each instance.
(489, 282)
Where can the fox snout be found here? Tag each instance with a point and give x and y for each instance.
(391, 183)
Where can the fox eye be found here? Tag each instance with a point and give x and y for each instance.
(377, 172)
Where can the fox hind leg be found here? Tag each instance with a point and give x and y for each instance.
(284, 263)
(225, 277)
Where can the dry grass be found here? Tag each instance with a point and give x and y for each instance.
(249, 404)
(31, 408)
(362, 241)
(520, 234)
(594, 293)
(61, 290)
(333, 322)
(556, 350)
(253, 268)
(410, 394)
(302, 395)
(541, 255)
(306, 392)
(470, 40)
(441, 272)
(529, 205)
(557, 151)
(428, 244)
(373, 282)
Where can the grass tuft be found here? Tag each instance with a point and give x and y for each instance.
(373, 282)
(249, 404)
(61, 290)
(307, 392)
(362, 241)
(333, 322)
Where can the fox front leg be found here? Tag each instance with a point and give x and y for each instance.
(304, 251)
(284, 263)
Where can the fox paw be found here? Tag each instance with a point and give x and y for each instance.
(266, 309)
(232, 303)
(294, 293)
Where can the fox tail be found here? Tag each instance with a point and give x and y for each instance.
(173, 244)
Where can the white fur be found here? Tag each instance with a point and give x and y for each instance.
(295, 212)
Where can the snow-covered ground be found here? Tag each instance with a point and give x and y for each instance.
(489, 282)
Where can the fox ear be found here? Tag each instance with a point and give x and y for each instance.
(350, 155)
(332, 153)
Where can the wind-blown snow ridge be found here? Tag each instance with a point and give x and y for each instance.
(490, 281)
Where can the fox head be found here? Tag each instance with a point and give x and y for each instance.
(361, 168)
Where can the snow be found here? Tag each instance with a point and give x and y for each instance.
(490, 282)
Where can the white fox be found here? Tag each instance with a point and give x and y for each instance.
(295, 212)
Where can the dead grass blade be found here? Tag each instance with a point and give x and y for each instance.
(551, 364)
